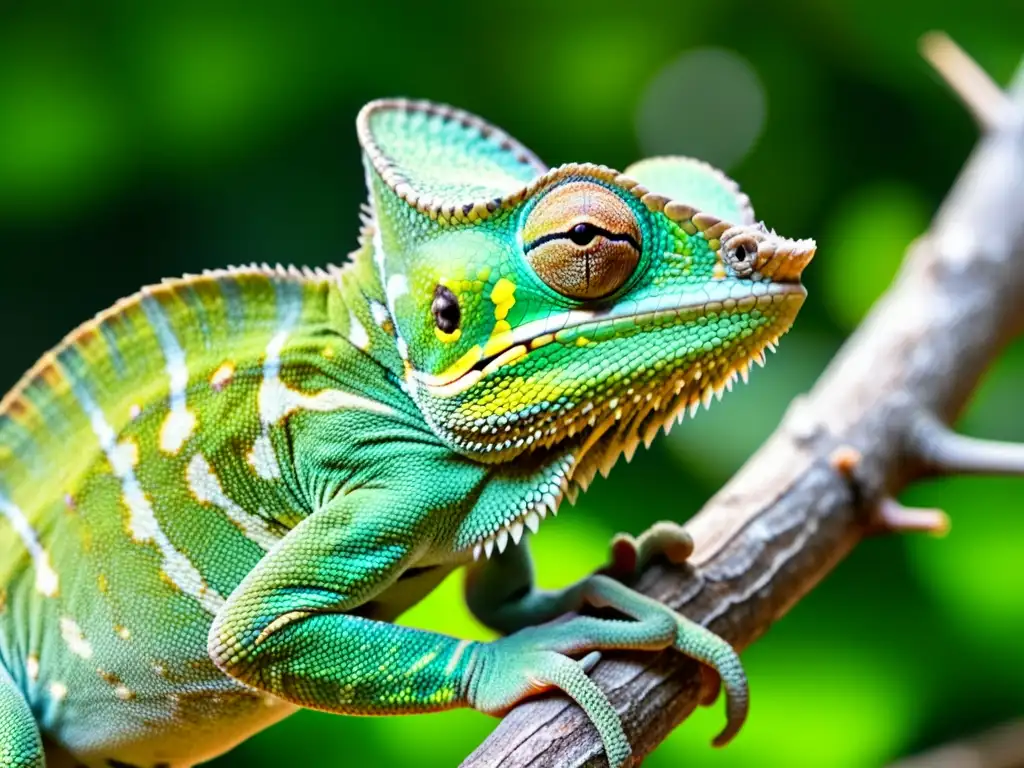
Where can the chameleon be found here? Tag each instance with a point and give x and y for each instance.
(218, 495)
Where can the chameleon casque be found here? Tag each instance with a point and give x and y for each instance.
(217, 495)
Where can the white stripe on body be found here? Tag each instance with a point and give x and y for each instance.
(47, 582)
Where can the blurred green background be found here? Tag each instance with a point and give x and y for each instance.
(141, 140)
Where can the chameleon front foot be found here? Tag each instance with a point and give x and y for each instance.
(632, 554)
(538, 658)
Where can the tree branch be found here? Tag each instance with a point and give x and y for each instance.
(1001, 747)
(979, 93)
(816, 487)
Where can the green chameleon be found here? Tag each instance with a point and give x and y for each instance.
(217, 495)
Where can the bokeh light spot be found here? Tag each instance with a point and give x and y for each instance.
(709, 103)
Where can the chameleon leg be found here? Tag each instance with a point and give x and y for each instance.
(20, 743)
(500, 592)
(291, 629)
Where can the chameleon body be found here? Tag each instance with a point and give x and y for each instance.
(216, 496)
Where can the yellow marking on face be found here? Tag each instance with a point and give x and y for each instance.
(540, 341)
(328, 352)
(483, 273)
(507, 357)
(222, 376)
(520, 391)
(102, 584)
(501, 338)
(123, 632)
(32, 667)
(460, 384)
(448, 338)
(503, 298)
(718, 271)
(461, 366)
(582, 341)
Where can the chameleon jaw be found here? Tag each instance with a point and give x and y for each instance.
(561, 326)
(599, 435)
(600, 449)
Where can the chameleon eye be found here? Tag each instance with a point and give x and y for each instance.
(445, 308)
(582, 240)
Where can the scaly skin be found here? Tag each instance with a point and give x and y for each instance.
(216, 496)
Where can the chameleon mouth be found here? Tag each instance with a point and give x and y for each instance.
(566, 327)
(603, 440)
(605, 433)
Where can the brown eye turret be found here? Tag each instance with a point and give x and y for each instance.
(582, 240)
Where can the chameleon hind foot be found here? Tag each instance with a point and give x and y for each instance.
(632, 554)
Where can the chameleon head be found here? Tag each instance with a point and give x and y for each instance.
(577, 306)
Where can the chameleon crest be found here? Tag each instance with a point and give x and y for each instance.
(217, 496)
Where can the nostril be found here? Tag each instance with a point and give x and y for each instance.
(740, 250)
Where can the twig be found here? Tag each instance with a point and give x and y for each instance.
(979, 93)
(945, 452)
(812, 492)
